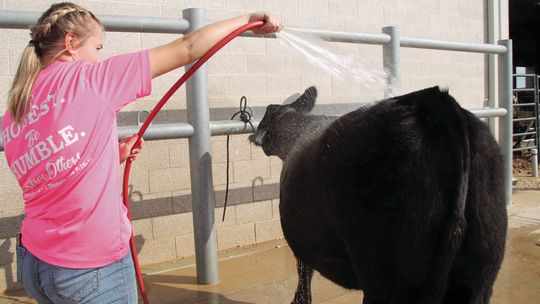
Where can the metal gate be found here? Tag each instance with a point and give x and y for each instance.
(525, 117)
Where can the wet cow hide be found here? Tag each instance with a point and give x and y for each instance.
(403, 199)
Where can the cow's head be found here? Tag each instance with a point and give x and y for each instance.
(283, 125)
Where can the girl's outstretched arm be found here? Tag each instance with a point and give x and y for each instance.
(194, 45)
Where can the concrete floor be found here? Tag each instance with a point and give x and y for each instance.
(266, 273)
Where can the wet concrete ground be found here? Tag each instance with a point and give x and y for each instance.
(266, 273)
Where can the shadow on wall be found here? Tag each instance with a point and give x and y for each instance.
(9, 227)
(142, 208)
(7, 258)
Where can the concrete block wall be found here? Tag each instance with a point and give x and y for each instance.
(265, 71)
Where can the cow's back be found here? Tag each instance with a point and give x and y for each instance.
(378, 188)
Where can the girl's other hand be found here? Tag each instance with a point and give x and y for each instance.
(129, 148)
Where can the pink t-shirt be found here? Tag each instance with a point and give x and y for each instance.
(65, 158)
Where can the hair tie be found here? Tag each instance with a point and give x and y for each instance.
(32, 43)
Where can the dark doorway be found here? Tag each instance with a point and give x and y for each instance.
(525, 33)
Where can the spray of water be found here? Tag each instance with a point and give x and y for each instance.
(347, 68)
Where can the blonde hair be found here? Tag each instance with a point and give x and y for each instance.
(46, 44)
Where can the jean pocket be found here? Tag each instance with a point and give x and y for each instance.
(20, 252)
(75, 285)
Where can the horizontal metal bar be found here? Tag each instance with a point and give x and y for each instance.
(140, 24)
(18, 19)
(523, 104)
(144, 24)
(335, 36)
(522, 149)
(524, 133)
(525, 75)
(342, 36)
(225, 127)
(24, 19)
(489, 112)
(525, 119)
(184, 130)
(452, 46)
(228, 127)
(525, 90)
(160, 131)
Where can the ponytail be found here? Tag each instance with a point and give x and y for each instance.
(46, 45)
(21, 87)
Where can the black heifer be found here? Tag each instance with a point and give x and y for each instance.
(403, 199)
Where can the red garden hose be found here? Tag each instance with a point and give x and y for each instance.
(151, 117)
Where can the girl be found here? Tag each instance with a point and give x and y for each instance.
(60, 140)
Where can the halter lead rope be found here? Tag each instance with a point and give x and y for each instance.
(245, 116)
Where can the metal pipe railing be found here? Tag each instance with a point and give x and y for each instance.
(185, 130)
(536, 122)
(382, 39)
(159, 131)
(524, 133)
(391, 62)
(505, 123)
(524, 149)
(231, 127)
(524, 119)
(200, 160)
(453, 46)
(488, 112)
(336, 36)
(139, 24)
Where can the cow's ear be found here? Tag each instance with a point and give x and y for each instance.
(306, 101)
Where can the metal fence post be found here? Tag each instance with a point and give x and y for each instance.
(391, 62)
(505, 123)
(534, 162)
(200, 163)
(536, 113)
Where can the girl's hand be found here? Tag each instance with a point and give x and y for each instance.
(271, 23)
(128, 149)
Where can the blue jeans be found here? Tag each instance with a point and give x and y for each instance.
(113, 283)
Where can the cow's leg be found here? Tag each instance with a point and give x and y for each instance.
(303, 290)
(471, 285)
(473, 275)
